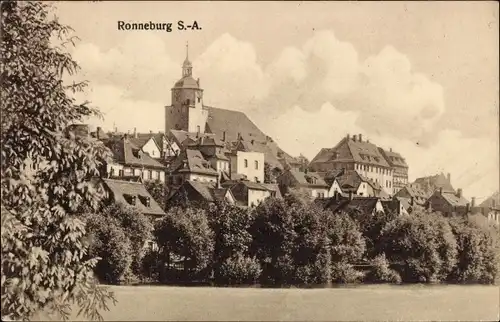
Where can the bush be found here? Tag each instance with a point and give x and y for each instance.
(342, 272)
(478, 251)
(380, 272)
(239, 270)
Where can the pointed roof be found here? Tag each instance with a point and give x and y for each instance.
(125, 152)
(491, 201)
(435, 182)
(364, 204)
(192, 161)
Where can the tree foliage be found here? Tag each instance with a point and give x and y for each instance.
(185, 233)
(44, 170)
(159, 191)
(422, 245)
(271, 174)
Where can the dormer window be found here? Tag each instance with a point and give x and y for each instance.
(130, 199)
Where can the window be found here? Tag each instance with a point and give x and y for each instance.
(120, 173)
(256, 165)
(246, 163)
(198, 128)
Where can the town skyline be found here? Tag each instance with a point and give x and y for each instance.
(311, 77)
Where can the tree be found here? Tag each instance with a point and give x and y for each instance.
(230, 225)
(287, 240)
(185, 233)
(159, 191)
(119, 234)
(271, 174)
(421, 245)
(45, 171)
(478, 251)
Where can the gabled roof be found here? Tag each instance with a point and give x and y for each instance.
(192, 161)
(349, 180)
(125, 152)
(273, 187)
(350, 150)
(453, 199)
(233, 123)
(393, 158)
(204, 140)
(416, 192)
(311, 179)
(196, 191)
(364, 204)
(248, 184)
(121, 190)
(493, 199)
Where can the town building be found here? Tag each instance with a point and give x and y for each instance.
(400, 167)
(346, 181)
(251, 194)
(430, 184)
(310, 182)
(351, 204)
(201, 193)
(490, 208)
(130, 160)
(188, 113)
(414, 193)
(398, 206)
(245, 162)
(133, 194)
(448, 203)
(190, 165)
(353, 153)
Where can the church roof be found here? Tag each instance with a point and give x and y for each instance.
(234, 123)
(187, 82)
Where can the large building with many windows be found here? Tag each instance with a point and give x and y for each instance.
(354, 153)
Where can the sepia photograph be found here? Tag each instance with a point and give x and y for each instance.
(250, 160)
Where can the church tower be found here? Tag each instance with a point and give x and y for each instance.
(186, 112)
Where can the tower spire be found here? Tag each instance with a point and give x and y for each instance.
(187, 67)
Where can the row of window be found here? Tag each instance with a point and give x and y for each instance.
(369, 168)
(145, 174)
(256, 164)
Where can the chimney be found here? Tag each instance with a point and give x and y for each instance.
(348, 136)
(223, 136)
(473, 202)
(350, 195)
(448, 177)
(412, 201)
(459, 192)
(361, 138)
(390, 149)
(135, 132)
(116, 129)
(354, 137)
(239, 136)
(125, 136)
(150, 131)
(467, 208)
(441, 190)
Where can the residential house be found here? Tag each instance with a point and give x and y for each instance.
(250, 194)
(353, 153)
(433, 183)
(132, 194)
(399, 206)
(213, 150)
(200, 192)
(365, 205)
(244, 161)
(414, 193)
(190, 165)
(130, 160)
(311, 182)
(491, 208)
(398, 163)
(347, 181)
(448, 203)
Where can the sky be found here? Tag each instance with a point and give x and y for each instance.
(421, 78)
